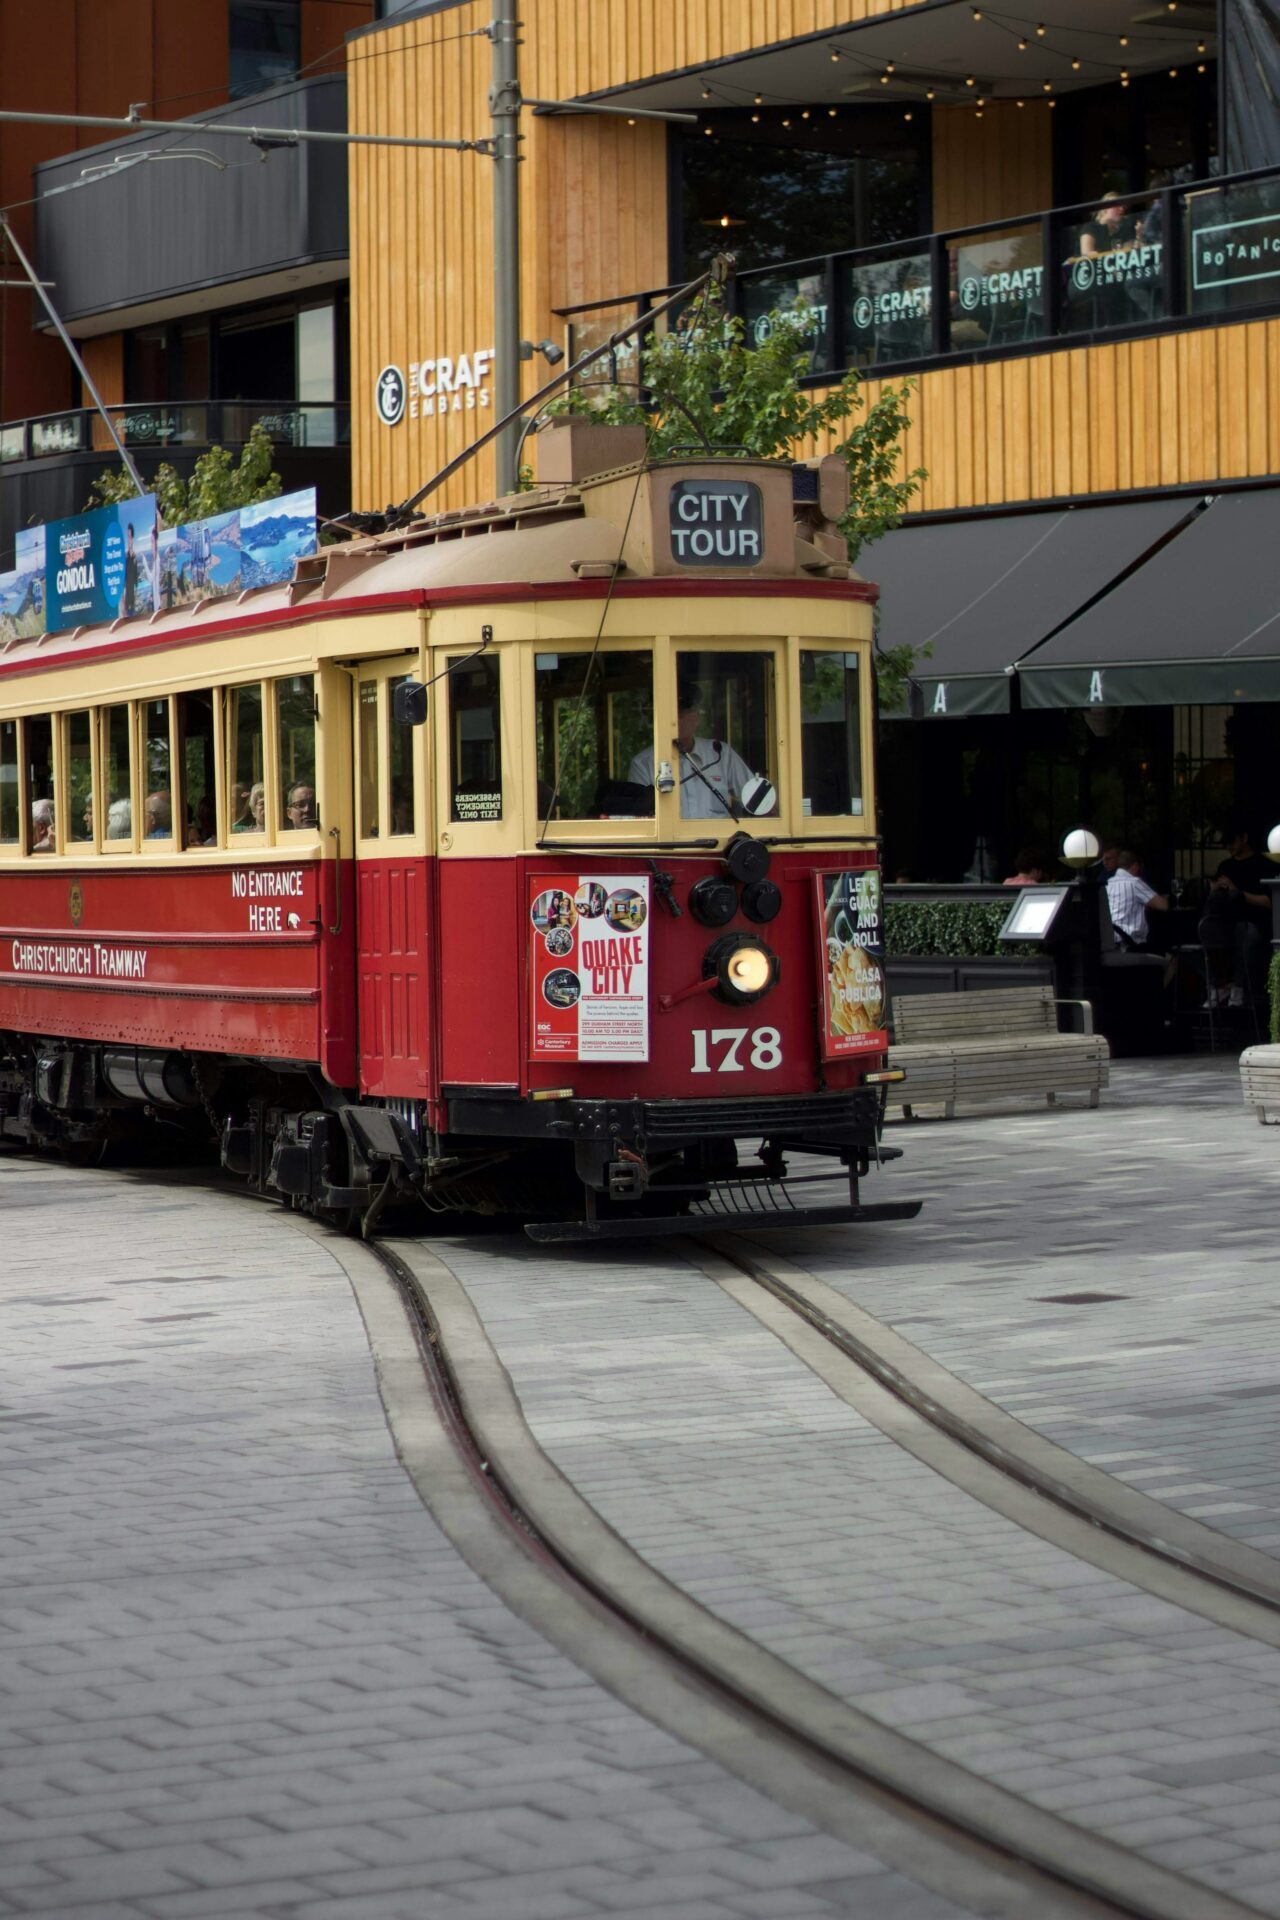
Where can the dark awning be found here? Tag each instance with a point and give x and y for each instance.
(1198, 624)
(981, 593)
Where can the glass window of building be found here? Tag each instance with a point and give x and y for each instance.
(265, 45)
(38, 736)
(246, 787)
(830, 733)
(594, 735)
(157, 806)
(475, 741)
(727, 732)
(296, 717)
(117, 779)
(370, 759)
(79, 765)
(10, 811)
(404, 810)
(197, 803)
(317, 375)
(773, 192)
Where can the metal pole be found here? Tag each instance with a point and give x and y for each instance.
(70, 346)
(504, 106)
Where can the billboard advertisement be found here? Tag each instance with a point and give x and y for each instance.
(101, 565)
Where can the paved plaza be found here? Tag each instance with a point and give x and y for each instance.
(243, 1672)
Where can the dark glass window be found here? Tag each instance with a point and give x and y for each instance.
(197, 810)
(1158, 131)
(38, 731)
(475, 741)
(257, 354)
(821, 185)
(264, 43)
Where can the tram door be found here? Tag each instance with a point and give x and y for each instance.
(392, 797)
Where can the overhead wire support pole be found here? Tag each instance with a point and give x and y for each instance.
(504, 107)
(72, 349)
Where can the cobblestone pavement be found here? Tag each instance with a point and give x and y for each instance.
(242, 1672)
(1109, 1277)
(740, 1476)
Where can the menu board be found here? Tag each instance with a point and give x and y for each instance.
(589, 970)
(855, 999)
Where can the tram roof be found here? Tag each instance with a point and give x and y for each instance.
(569, 535)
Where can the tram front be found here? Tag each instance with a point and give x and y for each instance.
(694, 1002)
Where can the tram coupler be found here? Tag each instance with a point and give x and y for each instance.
(628, 1176)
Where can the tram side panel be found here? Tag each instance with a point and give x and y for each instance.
(396, 914)
(229, 959)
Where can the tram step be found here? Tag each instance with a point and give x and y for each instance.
(561, 1231)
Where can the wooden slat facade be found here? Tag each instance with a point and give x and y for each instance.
(1069, 422)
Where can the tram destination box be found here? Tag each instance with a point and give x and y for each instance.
(724, 518)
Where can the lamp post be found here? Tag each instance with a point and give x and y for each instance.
(1082, 849)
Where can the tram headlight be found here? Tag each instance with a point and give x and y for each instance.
(743, 968)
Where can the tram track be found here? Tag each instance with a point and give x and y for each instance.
(689, 1669)
(995, 1457)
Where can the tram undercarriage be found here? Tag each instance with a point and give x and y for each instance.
(569, 1170)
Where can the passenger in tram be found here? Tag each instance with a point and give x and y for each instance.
(43, 838)
(300, 805)
(202, 831)
(712, 774)
(253, 817)
(159, 816)
(119, 820)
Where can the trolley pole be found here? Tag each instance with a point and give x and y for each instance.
(504, 106)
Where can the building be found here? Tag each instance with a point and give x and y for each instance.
(1061, 218)
(204, 279)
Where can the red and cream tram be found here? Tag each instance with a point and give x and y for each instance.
(522, 860)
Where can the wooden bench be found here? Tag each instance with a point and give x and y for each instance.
(992, 1047)
(1260, 1080)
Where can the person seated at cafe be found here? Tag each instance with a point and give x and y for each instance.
(1229, 939)
(1110, 227)
(1128, 898)
(1033, 869)
(1247, 869)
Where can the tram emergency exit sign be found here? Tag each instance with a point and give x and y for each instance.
(716, 523)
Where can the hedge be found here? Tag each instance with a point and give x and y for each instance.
(953, 929)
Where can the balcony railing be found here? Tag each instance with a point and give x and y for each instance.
(1200, 252)
(185, 423)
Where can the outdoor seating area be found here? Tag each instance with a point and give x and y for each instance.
(1001, 1046)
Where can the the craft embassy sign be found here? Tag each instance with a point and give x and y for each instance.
(447, 384)
(1013, 286)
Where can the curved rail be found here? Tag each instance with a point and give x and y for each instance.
(1061, 1867)
(1231, 1583)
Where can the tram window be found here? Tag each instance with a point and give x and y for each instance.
(39, 753)
(595, 735)
(475, 741)
(10, 809)
(117, 761)
(157, 806)
(79, 764)
(369, 760)
(247, 791)
(403, 784)
(296, 719)
(727, 733)
(197, 801)
(830, 733)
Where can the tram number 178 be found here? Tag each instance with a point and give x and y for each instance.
(720, 1050)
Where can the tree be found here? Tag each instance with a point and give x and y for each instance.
(706, 387)
(216, 484)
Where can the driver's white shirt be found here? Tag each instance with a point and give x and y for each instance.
(712, 776)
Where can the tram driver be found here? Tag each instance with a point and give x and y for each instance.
(713, 775)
